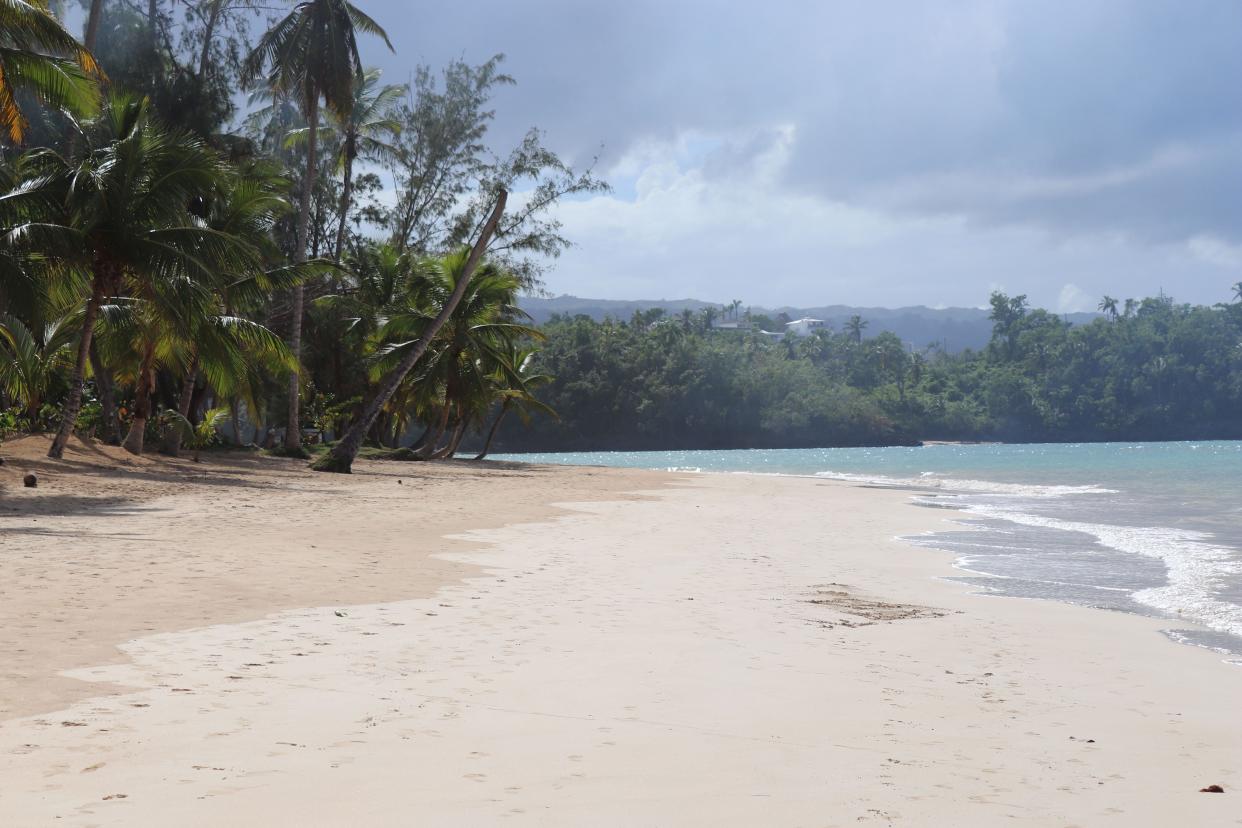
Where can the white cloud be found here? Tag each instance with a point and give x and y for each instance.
(1073, 299)
(683, 224)
(1215, 251)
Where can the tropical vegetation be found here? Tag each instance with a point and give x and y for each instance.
(176, 271)
(1149, 370)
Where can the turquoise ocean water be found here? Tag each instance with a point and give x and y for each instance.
(1152, 528)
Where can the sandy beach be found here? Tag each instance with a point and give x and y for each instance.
(471, 644)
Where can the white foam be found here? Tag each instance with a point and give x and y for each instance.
(1196, 569)
(931, 480)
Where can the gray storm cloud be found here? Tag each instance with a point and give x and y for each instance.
(1122, 119)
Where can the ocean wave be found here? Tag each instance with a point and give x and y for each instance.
(930, 480)
(1196, 568)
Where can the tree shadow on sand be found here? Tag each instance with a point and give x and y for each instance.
(66, 505)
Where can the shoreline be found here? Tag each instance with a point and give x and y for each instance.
(1201, 635)
(700, 648)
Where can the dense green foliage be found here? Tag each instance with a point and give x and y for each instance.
(1159, 370)
(158, 252)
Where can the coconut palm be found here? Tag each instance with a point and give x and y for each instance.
(471, 346)
(854, 327)
(199, 435)
(38, 56)
(30, 367)
(310, 55)
(172, 329)
(365, 131)
(516, 380)
(118, 214)
(1108, 305)
(231, 353)
(341, 458)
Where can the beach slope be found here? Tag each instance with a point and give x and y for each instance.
(478, 643)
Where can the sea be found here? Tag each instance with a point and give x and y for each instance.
(1148, 528)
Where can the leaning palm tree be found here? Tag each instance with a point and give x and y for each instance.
(341, 458)
(365, 131)
(475, 342)
(119, 214)
(37, 55)
(310, 55)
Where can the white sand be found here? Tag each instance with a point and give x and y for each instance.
(650, 662)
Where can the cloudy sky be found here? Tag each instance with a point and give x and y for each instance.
(873, 152)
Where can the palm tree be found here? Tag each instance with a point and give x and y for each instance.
(37, 55)
(119, 214)
(517, 379)
(199, 435)
(228, 351)
(1237, 291)
(309, 55)
(176, 330)
(30, 367)
(855, 328)
(366, 131)
(1108, 305)
(474, 344)
(341, 458)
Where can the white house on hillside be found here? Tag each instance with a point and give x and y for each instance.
(803, 327)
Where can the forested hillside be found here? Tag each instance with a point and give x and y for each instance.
(1153, 370)
(953, 329)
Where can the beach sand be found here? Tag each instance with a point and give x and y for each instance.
(244, 641)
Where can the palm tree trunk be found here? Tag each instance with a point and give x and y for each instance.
(92, 25)
(342, 455)
(491, 432)
(142, 402)
(73, 404)
(235, 420)
(109, 433)
(451, 447)
(293, 429)
(173, 444)
(429, 448)
(346, 191)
